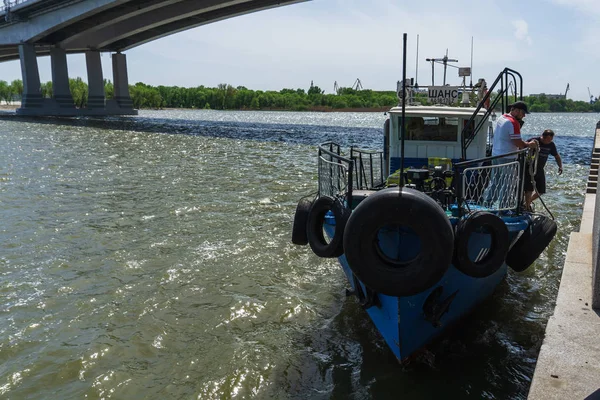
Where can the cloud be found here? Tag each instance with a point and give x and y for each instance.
(340, 42)
(522, 31)
(329, 41)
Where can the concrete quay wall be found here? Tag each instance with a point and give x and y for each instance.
(568, 366)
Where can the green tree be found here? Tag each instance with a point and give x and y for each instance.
(16, 88)
(109, 89)
(5, 92)
(47, 89)
(79, 91)
(314, 90)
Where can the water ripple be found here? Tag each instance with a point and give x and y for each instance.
(150, 257)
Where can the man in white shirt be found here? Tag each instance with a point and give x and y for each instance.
(507, 135)
(507, 139)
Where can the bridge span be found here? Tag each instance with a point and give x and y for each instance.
(33, 28)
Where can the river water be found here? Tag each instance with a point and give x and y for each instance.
(150, 258)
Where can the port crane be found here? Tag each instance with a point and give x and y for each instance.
(357, 85)
(566, 90)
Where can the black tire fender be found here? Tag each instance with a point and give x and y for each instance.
(299, 235)
(532, 243)
(315, 235)
(486, 263)
(399, 207)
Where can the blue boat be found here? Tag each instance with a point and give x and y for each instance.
(425, 228)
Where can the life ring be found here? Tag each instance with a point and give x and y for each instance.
(300, 221)
(532, 243)
(488, 260)
(396, 214)
(315, 235)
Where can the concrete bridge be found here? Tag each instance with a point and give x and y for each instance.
(33, 28)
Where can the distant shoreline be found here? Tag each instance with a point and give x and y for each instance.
(14, 106)
(312, 109)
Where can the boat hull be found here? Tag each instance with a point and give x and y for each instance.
(409, 323)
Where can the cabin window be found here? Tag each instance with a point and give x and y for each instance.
(468, 129)
(437, 129)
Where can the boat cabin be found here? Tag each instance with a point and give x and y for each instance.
(433, 132)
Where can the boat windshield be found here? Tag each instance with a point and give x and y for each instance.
(439, 129)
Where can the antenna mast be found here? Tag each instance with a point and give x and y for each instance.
(471, 80)
(403, 126)
(417, 66)
(445, 60)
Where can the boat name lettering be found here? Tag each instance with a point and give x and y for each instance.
(443, 94)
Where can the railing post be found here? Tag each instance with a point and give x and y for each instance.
(350, 171)
(319, 172)
(522, 166)
(458, 186)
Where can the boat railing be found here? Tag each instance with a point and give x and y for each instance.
(368, 169)
(335, 172)
(491, 183)
(7, 4)
(507, 79)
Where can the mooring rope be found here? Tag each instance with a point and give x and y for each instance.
(533, 159)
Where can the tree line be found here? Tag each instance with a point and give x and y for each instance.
(223, 97)
(227, 97)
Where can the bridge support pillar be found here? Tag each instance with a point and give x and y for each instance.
(33, 104)
(32, 93)
(96, 97)
(60, 79)
(121, 81)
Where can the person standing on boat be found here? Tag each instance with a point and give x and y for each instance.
(547, 147)
(507, 139)
(507, 135)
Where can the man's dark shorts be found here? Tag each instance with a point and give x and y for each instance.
(540, 182)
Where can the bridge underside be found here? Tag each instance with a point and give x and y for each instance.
(111, 25)
(56, 28)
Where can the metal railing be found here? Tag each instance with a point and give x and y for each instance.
(8, 4)
(506, 79)
(368, 168)
(493, 187)
(335, 172)
(491, 183)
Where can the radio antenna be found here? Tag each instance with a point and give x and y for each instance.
(471, 83)
(417, 66)
(403, 123)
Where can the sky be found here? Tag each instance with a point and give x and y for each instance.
(552, 43)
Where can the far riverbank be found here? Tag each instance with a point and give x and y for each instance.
(15, 105)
